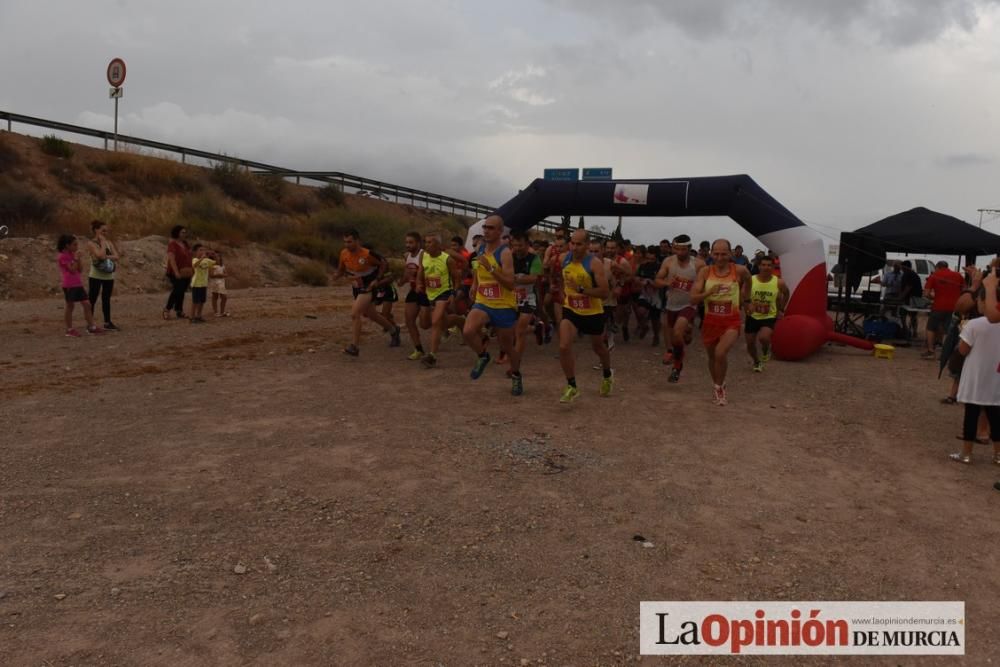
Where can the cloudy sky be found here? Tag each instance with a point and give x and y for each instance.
(845, 110)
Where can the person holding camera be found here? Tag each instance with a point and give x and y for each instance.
(104, 257)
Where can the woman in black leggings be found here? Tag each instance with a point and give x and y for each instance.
(179, 271)
(104, 258)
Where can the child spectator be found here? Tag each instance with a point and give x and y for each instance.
(217, 287)
(979, 386)
(72, 285)
(201, 264)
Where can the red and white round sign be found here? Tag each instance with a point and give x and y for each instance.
(116, 72)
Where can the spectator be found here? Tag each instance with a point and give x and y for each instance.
(72, 285)
(979, 387)
(892, 282)
(217, 287)
(104, 258)
(944, 287)
(179, 271)
(910, 292)
(202, 264)
(739, 257)
(703, 252)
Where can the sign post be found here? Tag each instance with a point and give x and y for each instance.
(116, 77)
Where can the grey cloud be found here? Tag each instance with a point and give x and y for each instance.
(894, 22)
(965, 160)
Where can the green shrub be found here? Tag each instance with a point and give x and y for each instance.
(331, 194)
(312, 273)
(313, 247)
(258, 191)
(53, 145)
(272, 186)
(385, 233)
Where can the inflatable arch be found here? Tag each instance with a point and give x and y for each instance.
(805, 327)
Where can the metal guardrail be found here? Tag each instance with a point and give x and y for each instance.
(400, 193)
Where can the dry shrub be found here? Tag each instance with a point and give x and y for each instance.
(313, 247)
(150, 176)
(260, 191)
(26, 212)
(301, 201)
(206, 216)
(69, 177)
(331, 194)
(9, 157)
(311, 273)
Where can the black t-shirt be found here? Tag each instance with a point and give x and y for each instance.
(911, 279)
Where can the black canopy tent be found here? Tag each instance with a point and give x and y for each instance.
(921, 230)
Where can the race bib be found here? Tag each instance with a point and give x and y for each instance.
(491, 291)
(434, 282)
(579, 302)
(682, 284)
(522, 293)
(761, 308)
(720, 308)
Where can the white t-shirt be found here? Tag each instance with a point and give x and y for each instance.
(980, 382)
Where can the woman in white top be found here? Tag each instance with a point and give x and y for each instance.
(104, 258)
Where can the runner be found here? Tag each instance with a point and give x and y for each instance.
(768, 297)
(678, 274)
(648, 305)
(384, 292)
(721, 286)
(463, 296)
(437, 277)
(596, 250)
(543, 328)
(417, 311)
(527, 273)
(586, 286)
(619, 273)
(553, 273)
(496, 303)
(365, 268)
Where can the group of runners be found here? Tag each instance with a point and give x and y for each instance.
(513, 288)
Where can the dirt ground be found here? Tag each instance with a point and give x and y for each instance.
(241, 493)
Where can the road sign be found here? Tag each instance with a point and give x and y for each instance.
(116, 93)
(562, 174)
(597, 173)
(116, 72)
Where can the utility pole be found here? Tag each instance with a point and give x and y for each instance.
(986, 210)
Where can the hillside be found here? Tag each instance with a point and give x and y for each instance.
(272, 232)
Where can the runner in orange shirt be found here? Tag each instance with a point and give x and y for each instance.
(365, 269)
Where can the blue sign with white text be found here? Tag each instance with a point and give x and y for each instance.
(562, 174)
(597, 173)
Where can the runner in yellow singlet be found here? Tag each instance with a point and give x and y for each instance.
(496, 303)
(586, 286)
(768, 296)
(438, 277)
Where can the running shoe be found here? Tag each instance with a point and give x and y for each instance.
(429, 361)
(606, 385)
(416, 355)
(765, 355)
(109, 326)
(95, 330)
(927, 355)
(72, 333)
(455, 331)
(352, 350)
(675, 376)
(394, 338)
(758, 367)
(569, 394)
(482, 363)
(516, 385)
(718, 395)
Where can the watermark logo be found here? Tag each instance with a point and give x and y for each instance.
(802, 628)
